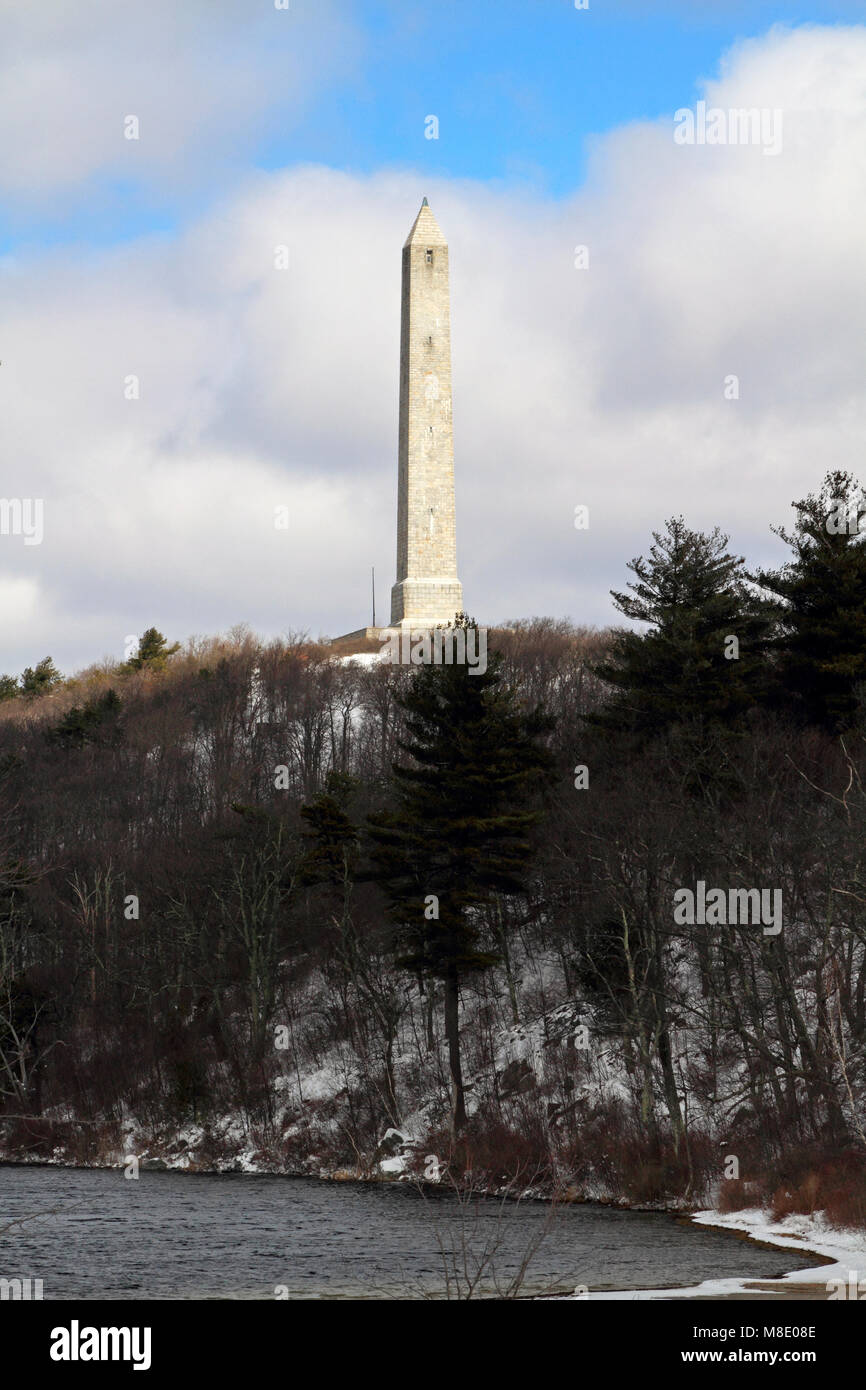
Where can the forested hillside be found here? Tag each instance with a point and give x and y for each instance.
(264, 905)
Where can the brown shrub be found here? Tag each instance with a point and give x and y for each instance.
(490, 1155)
(735, 1194)
(834, 1184)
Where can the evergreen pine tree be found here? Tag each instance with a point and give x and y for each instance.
(153, 652)
(458, 833)
(39, 679)
(703, 657)
(331, 837)
(94, 722)
(821, 593)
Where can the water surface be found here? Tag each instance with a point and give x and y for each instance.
(92, 1234)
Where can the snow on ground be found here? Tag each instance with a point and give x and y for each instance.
(806, 1234)
(847, 1247)
(396, 1165)
(360, 659)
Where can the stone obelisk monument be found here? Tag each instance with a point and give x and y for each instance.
(428, 592)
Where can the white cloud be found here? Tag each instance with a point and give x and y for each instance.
(203, 77)
(19, 604)
(262, 387)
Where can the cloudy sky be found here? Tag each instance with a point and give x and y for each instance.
(259, 387)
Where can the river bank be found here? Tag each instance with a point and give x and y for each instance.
(838, 1272)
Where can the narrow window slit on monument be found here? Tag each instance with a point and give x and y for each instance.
(429, 255)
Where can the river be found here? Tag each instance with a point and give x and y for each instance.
(91, 1233)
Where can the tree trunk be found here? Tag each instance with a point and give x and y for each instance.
(506, 961)
(431, 1032)
(458, 1104)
